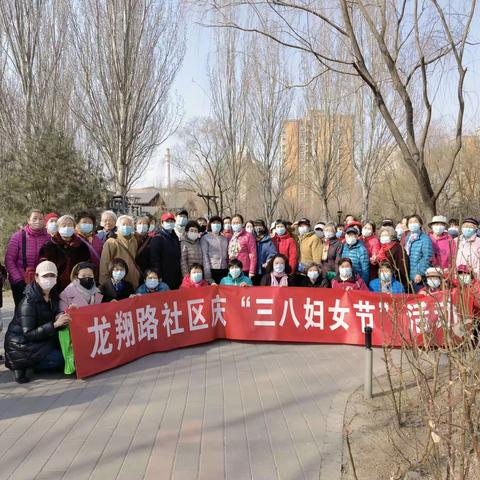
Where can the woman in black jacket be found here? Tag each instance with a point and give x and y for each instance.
(313, 278)
(31, 340)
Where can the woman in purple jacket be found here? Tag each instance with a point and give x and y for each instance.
(22, 256)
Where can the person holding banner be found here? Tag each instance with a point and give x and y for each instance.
(313, 277)
(346, 278)
(165, 253)
(82, 290)
(278, 273)
(194, 279)
(435, 281)
(153, 283)
(386, 282)
(236, 277)
(117, 287)
(31, 340)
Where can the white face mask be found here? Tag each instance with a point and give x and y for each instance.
(367, 232)
(142, 228)
(303, 229)
(169, 226)
(313, 275)
(351, 240)
(192, 236)
(249, 229)
(47, 283)
(433, 282)
(384, 239)
(329, 235)
(319, 233)
(465, 279)
(52, 228)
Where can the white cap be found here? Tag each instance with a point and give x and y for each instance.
(46, 267)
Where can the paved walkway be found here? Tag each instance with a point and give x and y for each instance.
(222, 410)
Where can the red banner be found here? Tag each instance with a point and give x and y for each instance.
(111, 334)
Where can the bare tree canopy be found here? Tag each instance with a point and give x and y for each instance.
(415, 42)
(128, 54)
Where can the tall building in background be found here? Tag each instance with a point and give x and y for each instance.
(309, 144)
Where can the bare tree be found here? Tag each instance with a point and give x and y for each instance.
(269, 105)
(229, 91)
(128, 53)
(202, 162)
(411, 39)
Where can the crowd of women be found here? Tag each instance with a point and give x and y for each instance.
(56, 262)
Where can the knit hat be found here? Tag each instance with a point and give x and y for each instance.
(470, 220)
(50, 216)
(46, 267)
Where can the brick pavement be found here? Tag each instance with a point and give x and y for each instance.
(234, 410)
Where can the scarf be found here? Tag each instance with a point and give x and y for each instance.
(234, 245)
(34, 233)
(283, 280)
(88, 295)
(411, 239)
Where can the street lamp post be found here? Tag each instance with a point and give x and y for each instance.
(339, 213)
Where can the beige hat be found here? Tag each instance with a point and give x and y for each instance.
(438, 219)
(43, 268)
(434, 272)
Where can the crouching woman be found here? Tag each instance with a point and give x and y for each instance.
(31, 341)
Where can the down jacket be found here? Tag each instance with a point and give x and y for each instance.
(358, 254)
(31, 335)
(420, 254)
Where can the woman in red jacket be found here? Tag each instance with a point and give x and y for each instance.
(372, 244)
(285, 244)
(346, 279)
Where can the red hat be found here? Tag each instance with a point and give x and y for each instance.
(50, 216)
(464, 269)
(168, 216)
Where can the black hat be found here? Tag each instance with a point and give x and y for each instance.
(182, 211)
(352, 230)
(387, 222)
(470, 220)
(306, 221)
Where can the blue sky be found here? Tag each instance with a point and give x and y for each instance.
(191, 85)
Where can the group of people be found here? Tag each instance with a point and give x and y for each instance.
(56, 262)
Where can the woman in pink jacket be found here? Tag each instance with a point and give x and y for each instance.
(443, 244)
(243, 246)
(22, 256)
(82, 290)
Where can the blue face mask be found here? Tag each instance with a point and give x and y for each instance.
(85, 228)
(66, 231)
(345, 272)
(182, 221)
(142, 228)
(235, 272)
(151, 283)
(280, 230)
(126, 230)
(169, 226)
(453, 232)
(216, 227)
(196, 277)
(339, 234)
(118, 275)
(236, 227)
(386, 276)
(279, 268)
(414, 227)
(468, 232)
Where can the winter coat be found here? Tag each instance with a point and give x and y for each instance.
(443, 250)
(72, 296)
(3, 277)
(95, 246)
(320, 282)
(143, 252)
(235, 282)
(395, 287)
(372, 244)
(35, 240)
(287, 246)
(248, 251)
(265, 251)
(126, 249)
(123, 291)
(358, 254)
(31, 335)
(215, 253)
(335, 247)
(468, 253)
(354, 283)
(165, 257)
(65, 255)
(187, 282)
(143, 289)
(192, 253)
(397, 257)
(420, 256)
(311, 248)
(266, 281)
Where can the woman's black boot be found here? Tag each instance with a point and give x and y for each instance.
(20, 376)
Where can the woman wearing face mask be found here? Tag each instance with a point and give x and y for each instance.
(434, 281)
(419, 250)
(313, 278)
(165, 253)
(443, 245)
(123, 246)
(194, 277)
(386, 282)
(31, 340)
(51, 223)
(108, 220)
(82, 290)
(227, 228)
(243, 246)
(265, 249)
(86, 233)
(65, 250)
(215, 251)
(355, 250)
(311, 246)
(153, 283)
(285, 244)
(453, 227)
(142, 227)
(192, 251)
(372, 244)
(249, 227)
(400, 233)
(236, 277)
(392, 252)
(278, 273)
(468, 246)
(181, 221)
(116, 287)
(346, 278)
(332, 252)
(23, 254)
(340, 232)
